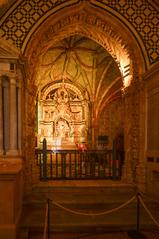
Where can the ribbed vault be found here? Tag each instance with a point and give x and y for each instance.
(89, 24)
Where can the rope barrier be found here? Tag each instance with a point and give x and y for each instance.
(148, 211)
(46, 222)
(95, 214)
(145, 195)
(139, 200)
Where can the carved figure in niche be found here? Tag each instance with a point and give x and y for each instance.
(62, 103)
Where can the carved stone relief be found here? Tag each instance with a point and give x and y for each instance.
(64, 121)
(85, 24)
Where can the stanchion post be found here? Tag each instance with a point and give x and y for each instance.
(44, 159)
(48, 219)
(138, 213)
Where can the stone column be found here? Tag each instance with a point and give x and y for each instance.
(19, 126)
(1, 119)
(127, 167)
(141, 164)
(131, 133)
(6, 119)
(13, 147)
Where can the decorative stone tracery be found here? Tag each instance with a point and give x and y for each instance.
(134, 168)
(64, 116)
(95, 27)
(140, 16)
(86, 24)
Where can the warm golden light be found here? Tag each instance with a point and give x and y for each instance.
(125, 68)
(127, 81)
(2, 2)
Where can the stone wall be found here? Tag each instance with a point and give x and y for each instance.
(152, 153)
(111, 121)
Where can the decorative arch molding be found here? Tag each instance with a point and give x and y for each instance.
(89, 23)
(139, 16)
(141, 19)
(46, 91)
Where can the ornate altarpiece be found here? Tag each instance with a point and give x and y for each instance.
(62, 117)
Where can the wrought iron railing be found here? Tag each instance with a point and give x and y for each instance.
(75, 164)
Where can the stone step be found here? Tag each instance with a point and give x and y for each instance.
(82, 193)
(23, 233)
(74, 235)
(85, 199)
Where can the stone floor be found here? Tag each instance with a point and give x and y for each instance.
(110, 235)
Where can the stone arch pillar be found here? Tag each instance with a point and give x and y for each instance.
(141, 163)
(128, 167)
(133, 132)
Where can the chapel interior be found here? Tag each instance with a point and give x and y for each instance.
(79, 113)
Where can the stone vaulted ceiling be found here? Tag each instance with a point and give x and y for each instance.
(82, 62)
(73, 58)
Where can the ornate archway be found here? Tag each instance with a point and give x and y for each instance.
(101, 29)
(85, 21)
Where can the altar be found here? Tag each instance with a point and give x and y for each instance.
(63, 118)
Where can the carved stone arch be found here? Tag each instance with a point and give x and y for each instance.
(58, 85)
(98, 27)
(89, 23)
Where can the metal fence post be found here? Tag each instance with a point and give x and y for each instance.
(44, 159)
(138, 213)
(48, 219)
(114, 156)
